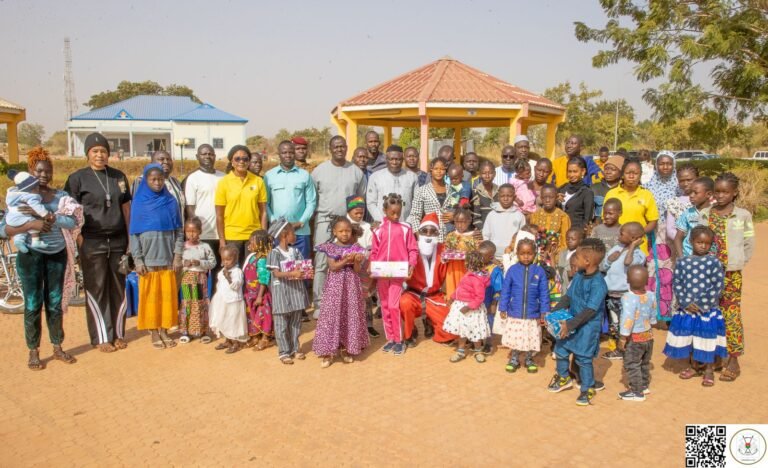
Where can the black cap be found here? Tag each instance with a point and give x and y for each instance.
(95, 139)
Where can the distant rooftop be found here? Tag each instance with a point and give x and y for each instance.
(160, 108)
(447, 80)
(8, 106)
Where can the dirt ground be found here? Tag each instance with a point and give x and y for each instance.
(192, 405)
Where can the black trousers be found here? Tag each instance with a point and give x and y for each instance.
(214, 245)
(637, 363)
(105, 304)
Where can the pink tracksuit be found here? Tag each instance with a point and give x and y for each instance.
(393, 242)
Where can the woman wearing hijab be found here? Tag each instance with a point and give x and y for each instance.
(157, 243)
(664, 187)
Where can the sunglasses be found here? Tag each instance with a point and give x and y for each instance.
(242, 159)
(507, 156)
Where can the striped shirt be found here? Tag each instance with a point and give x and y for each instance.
(288, 295)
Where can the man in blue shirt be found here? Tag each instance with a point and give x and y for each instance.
(291, 194)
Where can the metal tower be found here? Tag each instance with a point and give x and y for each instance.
(69, 81)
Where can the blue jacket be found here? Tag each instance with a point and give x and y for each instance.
(525, 293)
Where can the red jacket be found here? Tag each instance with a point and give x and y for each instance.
(418, 281)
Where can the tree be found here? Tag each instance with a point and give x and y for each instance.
(409, 136)
(3, 135)
(129, 89)
(669, 39)
(57, 143)
(31, 134)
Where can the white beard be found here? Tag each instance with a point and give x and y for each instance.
(427, 246)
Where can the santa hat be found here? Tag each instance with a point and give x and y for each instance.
(430, 219)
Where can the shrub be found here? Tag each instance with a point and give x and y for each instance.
(753, 184)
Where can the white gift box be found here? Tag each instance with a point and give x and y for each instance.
(389, 269)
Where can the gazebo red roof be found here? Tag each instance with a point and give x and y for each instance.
(447, 80)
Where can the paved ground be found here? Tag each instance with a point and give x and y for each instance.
(193, 405)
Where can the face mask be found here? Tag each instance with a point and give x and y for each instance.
(427, 245)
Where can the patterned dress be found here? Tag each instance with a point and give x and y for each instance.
(457, 268)
(193, 312)
(341, 324)
(259, 316)
(730, 301)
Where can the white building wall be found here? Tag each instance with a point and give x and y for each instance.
(205, 132)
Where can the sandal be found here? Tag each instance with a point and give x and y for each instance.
(222, 345)
(185, 339)
(169, 342)
(34, 362)
(61, 355)
(300, 356)
(709, 379)
(479, 356)
(205, 339)
(347, 358)
(326, 362)
(286, 360)
(459, 356)
(120, 343)
(729, 375)
(107, 348)
(233, 348)
(688, 373)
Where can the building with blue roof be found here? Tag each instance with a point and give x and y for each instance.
(141, 125)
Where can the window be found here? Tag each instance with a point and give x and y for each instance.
(191, 144)
(218, 143)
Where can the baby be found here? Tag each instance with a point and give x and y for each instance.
(26, 192)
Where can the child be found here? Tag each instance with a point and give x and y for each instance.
(686, 174)
(258, 299)
(576, 197)
(467, 317)
(529, 232)
(573, 238)
(393, 241)
(341, 325)
(524, 298)
(462, 190)
(553, 223)
(227, 305)
(198, 260)
(735, 241)
(356, 214)
(611, 178)
(525, 198)
(580, 335)
(461, 240)
(638, 313)
(493, 292)
(289, 295)
(698, 331)
(484, 194)
(25, 192)
(608, 230)
(504, 221)
(700, 196)
(615, 265)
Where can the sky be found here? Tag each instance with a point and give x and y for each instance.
(286, 64)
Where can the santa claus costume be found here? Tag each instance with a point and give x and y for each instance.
(424, 288)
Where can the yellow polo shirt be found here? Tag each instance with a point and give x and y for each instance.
(639, 206)
(559, 171)
(240, 199)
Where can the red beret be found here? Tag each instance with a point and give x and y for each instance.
(299, 141)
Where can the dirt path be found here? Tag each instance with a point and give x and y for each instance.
(194, 405)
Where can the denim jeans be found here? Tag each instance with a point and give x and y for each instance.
(42, 280)
(637, 364)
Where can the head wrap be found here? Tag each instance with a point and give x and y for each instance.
(430, 219)
(520, 138)
(615, 160)
(277, 227)
(397, 148)
(355, 201)
(299, 141)
(663, 188)
(153, 211)
(95, 139)
(24, 181)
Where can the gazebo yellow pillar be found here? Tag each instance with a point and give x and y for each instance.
(13, 142)
(351, 137)
(515, 123)
(387, 137)
(549, 150)
(424, 142)
(457, 145)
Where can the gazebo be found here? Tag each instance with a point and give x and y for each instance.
(12, 115)
(446, 94)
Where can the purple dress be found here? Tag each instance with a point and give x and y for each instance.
(341, 324)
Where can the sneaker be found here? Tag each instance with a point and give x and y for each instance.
(646, 391)
(531, 366)
(585, 398)
(398, 349)
(487, 349)
(598, 386)
(373, 333)
(388, 347)
(629, 395)
(558, 384)
(410, 343)
(512, 366)
(614, 355)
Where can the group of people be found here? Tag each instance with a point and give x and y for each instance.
(571, 252)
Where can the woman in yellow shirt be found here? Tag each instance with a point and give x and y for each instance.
(637, 203)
